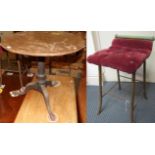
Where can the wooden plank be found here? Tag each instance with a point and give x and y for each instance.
(63, 102)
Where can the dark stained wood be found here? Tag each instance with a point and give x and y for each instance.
(9, 106)
(43, 43)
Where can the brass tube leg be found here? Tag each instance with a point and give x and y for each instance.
(144, 80)
(70, 70)
(20, 73)
(8, 60)
(27, 64)
(100, 90)
(133, 98)
(50, 65)
(119, 81)
(0, 72)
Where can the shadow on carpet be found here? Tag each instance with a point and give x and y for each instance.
(116, 105)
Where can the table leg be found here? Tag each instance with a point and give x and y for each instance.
(0, 72)
(23, 90)
(44, 92)
(1, 81)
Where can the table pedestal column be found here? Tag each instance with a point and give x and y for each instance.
(40, 86)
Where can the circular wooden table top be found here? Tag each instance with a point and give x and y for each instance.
(43, 43)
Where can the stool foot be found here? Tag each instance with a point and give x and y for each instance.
(133, 99)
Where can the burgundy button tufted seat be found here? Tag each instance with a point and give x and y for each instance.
(126, 55)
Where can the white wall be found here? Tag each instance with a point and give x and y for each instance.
(92, 70)
(105, 38)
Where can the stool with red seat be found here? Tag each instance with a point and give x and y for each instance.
(126, 54)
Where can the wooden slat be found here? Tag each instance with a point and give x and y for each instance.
(62, 100)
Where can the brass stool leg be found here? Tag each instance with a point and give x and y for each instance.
(50, 65)
(70, 70)
(119, 82)
(8, 60)
(0, 72)
(100, 89)
(133, 98)
(144, 80)
(27, 64)
(20, 73)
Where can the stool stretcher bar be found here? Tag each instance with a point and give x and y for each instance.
(133, 89)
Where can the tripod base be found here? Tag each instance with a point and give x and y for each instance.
(40, 86)
(42, 89)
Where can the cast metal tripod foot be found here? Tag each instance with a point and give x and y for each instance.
(2, 86)
(43, 90)
(17, 93)
(40, 86)
(33, 85)
(53, 119)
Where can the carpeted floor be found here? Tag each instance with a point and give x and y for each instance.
(116, 105)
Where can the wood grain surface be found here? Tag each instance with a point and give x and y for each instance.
(62, 99)
(43, 43)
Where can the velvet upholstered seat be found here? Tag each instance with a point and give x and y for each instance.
(126, 55)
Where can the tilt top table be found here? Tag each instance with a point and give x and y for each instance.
(42, 44)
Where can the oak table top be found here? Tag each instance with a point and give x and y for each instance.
(43, 43)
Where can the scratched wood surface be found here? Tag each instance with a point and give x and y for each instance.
(43, 43)
(62, 100)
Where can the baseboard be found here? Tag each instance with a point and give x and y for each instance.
(93, 80)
